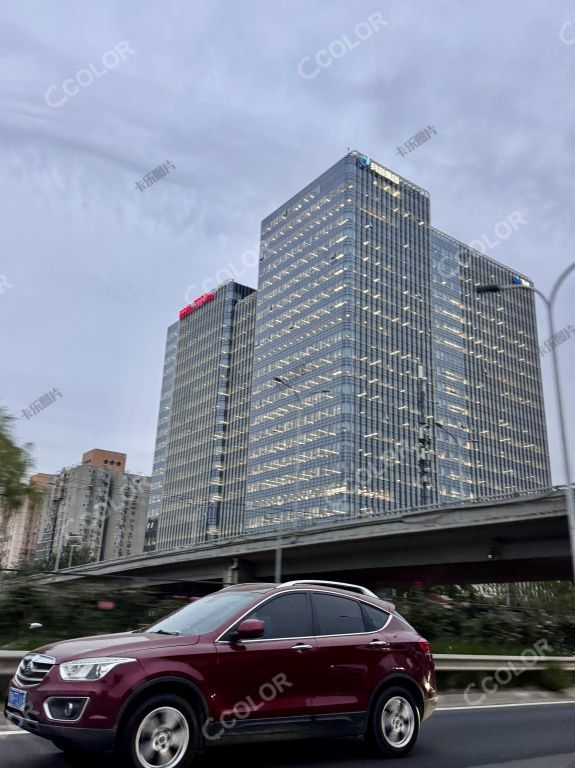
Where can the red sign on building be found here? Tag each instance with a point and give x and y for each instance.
(196, 303)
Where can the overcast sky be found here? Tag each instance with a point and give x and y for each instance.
(233, 94)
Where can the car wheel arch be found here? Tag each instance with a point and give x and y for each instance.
(399, 680)
(168, 684)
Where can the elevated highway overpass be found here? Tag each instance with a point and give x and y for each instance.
(524, 538)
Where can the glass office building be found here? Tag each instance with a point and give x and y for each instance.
(490, 434)
(207, 443)
(238, 418)
(378, 385)
(162, 433)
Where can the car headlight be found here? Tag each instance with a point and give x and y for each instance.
(90, 669)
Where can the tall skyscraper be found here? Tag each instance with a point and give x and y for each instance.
(378, 383)
(207, 445)
(238, 421)
(488, 395)
(162, 433)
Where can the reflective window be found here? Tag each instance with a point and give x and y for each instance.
(337, 615)
(285, 616)
(375, 618)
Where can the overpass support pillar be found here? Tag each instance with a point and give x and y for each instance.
(238, 572)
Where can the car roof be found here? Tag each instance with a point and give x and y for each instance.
(352, 590)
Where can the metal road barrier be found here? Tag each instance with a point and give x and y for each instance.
(447, 662)
(9, 661)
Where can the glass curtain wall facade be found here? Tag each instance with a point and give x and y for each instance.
(342, 385)
(369, 335)
(487, 376)
(162, 433)
(192, 508)
(238, 419)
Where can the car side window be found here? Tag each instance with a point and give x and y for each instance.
(337, 615)
(375, 618)
(286, 616)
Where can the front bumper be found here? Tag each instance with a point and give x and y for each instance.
(94, 739)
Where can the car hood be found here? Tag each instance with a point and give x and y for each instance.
(121, 644)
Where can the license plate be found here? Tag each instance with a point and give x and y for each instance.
(17, 699)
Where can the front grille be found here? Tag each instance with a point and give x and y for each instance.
(33, 669)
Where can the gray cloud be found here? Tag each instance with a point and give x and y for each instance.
(100, 269)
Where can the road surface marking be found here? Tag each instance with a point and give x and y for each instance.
(502, 706)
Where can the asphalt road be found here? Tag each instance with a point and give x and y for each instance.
(541, 736)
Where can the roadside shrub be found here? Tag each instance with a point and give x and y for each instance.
(554, 678)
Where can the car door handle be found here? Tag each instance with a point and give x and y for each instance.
(302, 647)
(379, 644)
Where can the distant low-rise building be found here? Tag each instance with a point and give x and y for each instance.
(96, 506)
(19, 529)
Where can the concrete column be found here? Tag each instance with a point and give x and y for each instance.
(239, 572)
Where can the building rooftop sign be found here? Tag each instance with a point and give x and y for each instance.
(367, 162)
(196, 304)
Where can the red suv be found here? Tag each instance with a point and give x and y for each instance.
(302, 659)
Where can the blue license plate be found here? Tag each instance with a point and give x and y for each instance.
(17, 699)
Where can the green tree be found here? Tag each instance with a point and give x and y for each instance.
(15, 464)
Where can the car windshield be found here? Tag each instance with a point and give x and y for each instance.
(204, 615)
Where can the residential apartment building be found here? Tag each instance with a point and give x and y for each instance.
(96, 505)
(20, 528)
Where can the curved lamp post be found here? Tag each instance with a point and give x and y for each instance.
(550, 305)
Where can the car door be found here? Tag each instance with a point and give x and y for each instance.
(273, 675)
(351, 654)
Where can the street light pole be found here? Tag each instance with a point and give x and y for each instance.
(550, 305)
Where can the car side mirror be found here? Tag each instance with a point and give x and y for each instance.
(249, 629)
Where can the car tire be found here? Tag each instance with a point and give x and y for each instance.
(394, 724)
(162, 728)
